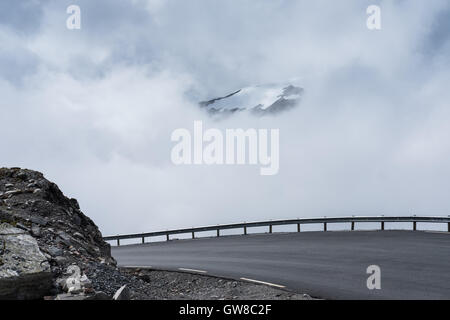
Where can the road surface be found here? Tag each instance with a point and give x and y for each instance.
(329, 265)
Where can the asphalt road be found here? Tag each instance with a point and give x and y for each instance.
(330, 265)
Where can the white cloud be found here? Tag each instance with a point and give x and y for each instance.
(97, 111)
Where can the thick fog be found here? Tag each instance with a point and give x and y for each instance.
(94, 109)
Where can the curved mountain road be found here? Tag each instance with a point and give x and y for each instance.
(330, 265)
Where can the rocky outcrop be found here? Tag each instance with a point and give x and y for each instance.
(24, 270)
(44, 234)
(37, 206)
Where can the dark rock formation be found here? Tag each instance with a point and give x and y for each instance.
(64, 235)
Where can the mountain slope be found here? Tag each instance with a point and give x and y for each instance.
(259, 100)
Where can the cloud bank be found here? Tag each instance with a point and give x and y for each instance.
(94, 108)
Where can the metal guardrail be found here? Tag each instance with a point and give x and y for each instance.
(325, 221)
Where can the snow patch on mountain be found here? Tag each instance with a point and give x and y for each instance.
(259, 100)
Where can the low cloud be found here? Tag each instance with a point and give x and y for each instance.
(94, 109)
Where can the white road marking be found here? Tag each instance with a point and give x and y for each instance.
(191, 270)
(262, 282)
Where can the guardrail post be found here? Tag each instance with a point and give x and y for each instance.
(415, 225)
(118, 242)
(298, 227)
(324, 226)
(143, 240)
(270, 228)
(193, 235)
(167, 237)
(218, 232)
(245, 230)
(448, 228)
(382, 225)
(353, 225)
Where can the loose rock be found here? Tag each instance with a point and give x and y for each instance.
(24, 270)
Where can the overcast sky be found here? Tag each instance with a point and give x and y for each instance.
(93, 109)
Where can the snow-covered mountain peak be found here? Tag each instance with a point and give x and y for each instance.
(259, 100)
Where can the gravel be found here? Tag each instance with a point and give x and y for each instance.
(163, 285)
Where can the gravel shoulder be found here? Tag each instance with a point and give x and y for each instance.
(170, 285)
